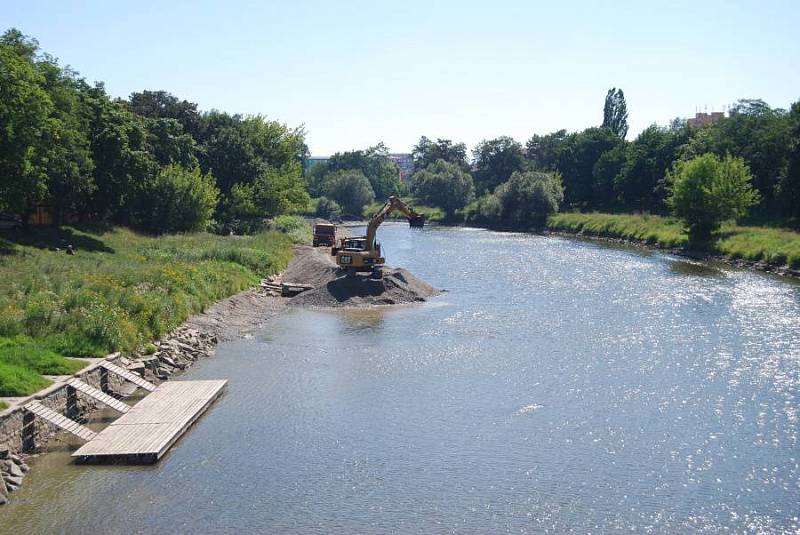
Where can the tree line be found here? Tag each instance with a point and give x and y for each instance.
(750, 158)
(153, 161)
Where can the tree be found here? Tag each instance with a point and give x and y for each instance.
(274, 192)
(604, 174)
(350, 189)
(428, 152)
(576, 162)
(444, 184)
(179, 200)
(789, 186)
(529, 197)
(374, 163)
(615, 113)
(25, 108)
(163, 105)
(124, 167)
(706, 191)
(639, 185)
(495, 162)
(542, 151)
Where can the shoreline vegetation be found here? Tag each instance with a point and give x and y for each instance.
(119, 291)
(757, 246)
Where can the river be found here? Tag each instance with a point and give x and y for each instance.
(557, 385)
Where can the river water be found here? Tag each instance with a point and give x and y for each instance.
(557, 385)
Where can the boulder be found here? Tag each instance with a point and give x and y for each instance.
(15, 471)
(168, 361)
(15, 481)
(5, 452)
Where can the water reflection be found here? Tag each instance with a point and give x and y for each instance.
(695, 269)
(368, 319)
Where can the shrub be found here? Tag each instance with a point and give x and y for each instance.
(529, 197)
(706, 191)
(180, 200)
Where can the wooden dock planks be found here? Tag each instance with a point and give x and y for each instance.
(129, 376)
(60, 421)
(99, 395)
(146, 432)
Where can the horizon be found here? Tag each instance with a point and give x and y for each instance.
(360, 74)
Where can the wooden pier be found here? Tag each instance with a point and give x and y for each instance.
(145, 433)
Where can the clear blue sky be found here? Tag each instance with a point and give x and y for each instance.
(355, 73)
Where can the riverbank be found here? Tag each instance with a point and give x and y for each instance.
(231, 318)
(73, 292)
(761, 248)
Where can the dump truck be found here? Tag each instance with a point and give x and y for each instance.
(324, 234)
(362, 254)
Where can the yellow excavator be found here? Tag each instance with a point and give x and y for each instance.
(362, 253)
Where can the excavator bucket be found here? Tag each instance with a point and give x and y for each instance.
(416, 222)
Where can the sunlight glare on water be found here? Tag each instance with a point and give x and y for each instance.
(557, 385)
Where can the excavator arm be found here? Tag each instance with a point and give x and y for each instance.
(394, 203)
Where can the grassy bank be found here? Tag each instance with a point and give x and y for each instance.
(778, 247)
(118, 291)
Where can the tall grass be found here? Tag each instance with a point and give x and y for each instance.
(120, 290)
(777, 247)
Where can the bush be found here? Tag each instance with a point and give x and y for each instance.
(350, 189)
(529, 197)
(706, 191)
(444, 184)
(180, 200)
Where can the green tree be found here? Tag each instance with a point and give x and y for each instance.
(350, 189)
(789, 186)
(495, 161)
(124, 167)
(169, 144)
(374, 163)
(542, 152)
(759, 134)
(529, 197)
(577, 158)
(706, 191)
(444, 184)
(163, 105)
(179, 200)
(615, 113)
(639, 185)
(428, 152)
(25, 108)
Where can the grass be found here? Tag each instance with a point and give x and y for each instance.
(431, 213)
(3, 405)
(117, 293)
(779, 247)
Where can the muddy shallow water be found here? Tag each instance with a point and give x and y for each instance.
(557, 385)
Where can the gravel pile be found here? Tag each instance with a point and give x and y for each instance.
(317, 268)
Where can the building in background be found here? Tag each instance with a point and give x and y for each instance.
(403, 160)
(702, 118)
(313, 161)
(406, 164)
